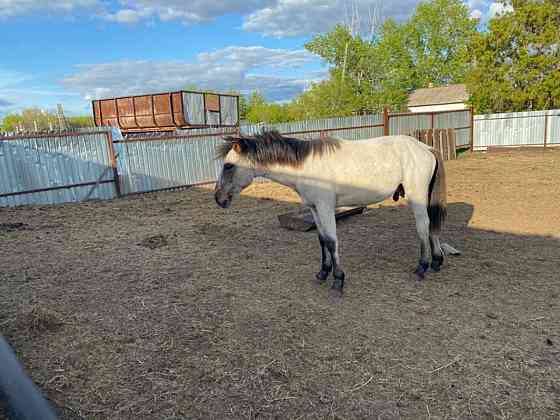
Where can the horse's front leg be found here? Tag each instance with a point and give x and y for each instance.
(326, 261)
(326, 215)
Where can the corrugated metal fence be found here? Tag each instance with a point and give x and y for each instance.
(537, 128)
(159, 163)
(57, 168)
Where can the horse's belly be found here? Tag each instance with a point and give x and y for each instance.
(362, 196)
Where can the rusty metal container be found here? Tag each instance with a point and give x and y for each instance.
(167, 111)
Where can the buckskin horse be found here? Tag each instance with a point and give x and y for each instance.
(328, 173)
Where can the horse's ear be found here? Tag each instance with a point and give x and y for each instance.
(237, 144)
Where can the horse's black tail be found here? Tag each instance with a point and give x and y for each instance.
(437, 196)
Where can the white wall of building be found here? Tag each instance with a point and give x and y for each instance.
(436, 108)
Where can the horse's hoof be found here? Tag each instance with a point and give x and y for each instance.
(335, 294)
(419, 274)
(435, 268)
(436, 265)
(421, 269)
(321, 276)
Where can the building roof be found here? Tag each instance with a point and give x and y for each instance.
(450, 94)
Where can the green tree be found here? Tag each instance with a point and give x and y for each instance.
(30, 119)
(12, 122)
(258, 110)
(330, 98)
(354, 75)
(81, 121)
(429, 48)
(243, 105)
(516, 62)
(437, 38)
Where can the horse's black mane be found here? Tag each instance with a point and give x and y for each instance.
(270, 147)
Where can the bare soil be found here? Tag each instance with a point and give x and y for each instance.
(165, 306)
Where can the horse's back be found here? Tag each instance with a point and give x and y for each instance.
(403, 149)
(395, 141)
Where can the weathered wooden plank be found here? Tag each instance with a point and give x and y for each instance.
(430, 138)
(453, 143)
(439, 142)
(444, 144)
(302, 220)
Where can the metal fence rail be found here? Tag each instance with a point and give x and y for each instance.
(349, 128)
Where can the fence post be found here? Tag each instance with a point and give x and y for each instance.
(385, 121)
(471, 142)
(545, 128)
(113, 162)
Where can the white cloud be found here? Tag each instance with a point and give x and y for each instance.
(278, 18)
(5, 104)
(127, 16)
(476, 14)
(10, 8)
(19, 90)
(239, 68)
(191, 11)
(498, 9)
(304, 17)
(130, 11)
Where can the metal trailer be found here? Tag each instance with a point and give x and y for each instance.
(167, 111)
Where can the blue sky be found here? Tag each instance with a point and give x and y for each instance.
(70, 51)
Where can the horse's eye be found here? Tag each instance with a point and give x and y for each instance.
(228, 166)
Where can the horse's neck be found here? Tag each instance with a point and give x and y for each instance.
(283, 175)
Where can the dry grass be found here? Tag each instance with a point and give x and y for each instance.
(164, 306)
(38, 320)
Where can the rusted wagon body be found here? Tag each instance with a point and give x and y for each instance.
(167, 111)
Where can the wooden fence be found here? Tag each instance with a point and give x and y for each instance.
(442, 139)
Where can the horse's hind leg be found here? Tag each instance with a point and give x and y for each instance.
(326, 261)
(423, 228)
(437, 253)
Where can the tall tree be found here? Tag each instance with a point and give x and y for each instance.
(437, 38)
(516, 62)
(29, 119)
(12, 122)
(431, 47)
(258, 110)
(33, 118)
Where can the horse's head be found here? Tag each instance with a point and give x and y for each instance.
(237, 173)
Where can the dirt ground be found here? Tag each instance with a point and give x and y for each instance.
(164, 306)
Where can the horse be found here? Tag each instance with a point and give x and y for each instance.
(329, 173)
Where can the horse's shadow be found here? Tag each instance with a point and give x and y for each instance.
(501, 253)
